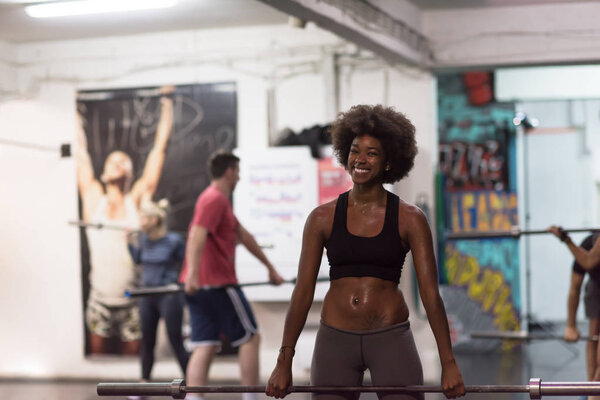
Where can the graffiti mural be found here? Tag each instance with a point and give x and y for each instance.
(487, 280)
(469, 166)
(477, 193)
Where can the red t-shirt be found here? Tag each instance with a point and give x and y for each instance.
(213, 211)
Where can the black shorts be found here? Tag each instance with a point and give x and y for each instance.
(591, 299)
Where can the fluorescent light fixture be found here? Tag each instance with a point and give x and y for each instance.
(86, 7)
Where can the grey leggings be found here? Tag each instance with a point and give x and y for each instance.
(341, 357)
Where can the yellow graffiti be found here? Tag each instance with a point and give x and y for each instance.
(467, 204)
(484, 215)
(454, 213)
(483, 211)
(500, 221)
(485, 286)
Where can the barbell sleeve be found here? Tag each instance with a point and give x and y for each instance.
(175, 389)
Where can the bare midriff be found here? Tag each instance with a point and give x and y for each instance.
(363, 303)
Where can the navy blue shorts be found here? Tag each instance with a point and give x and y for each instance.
(220, 311)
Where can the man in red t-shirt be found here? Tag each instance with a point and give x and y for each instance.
(209, 261)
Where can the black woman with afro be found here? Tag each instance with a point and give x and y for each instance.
(367, 233)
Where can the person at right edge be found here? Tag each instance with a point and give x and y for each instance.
(587, 259)
(367, 232)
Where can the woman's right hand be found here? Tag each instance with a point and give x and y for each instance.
(280, 380)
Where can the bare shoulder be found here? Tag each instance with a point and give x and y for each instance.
(323, 214)
(320, 220)
(412, 222)
(409, 213)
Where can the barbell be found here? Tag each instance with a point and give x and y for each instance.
(523, 335)
(99, 225)
(514, 233)
(177, 389)
(175, 287)
(64, 150)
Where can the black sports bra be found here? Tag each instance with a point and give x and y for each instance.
(380, 256)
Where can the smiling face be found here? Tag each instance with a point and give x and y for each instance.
(366, 160)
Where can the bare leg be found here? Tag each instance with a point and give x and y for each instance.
(248, 355)
(199, 364)
(130, 348)
(98, 344)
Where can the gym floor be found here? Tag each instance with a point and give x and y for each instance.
(550, 360)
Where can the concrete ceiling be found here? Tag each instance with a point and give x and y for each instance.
(17, 27)
(452, 4)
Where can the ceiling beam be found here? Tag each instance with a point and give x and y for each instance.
(364, 24)
(540, 34)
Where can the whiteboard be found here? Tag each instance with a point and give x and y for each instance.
(277, 190)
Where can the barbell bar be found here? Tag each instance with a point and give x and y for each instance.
(176, 288)
(64, 150)
(514, 233)
(98, 225)
(177, 389)
(523, 335)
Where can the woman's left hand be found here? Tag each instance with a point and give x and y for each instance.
(452, 381)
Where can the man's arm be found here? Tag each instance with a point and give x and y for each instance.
(146, 185)
(249, 242)
(193, 253)
(90, 188)
(571, 332)
(588, 259)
